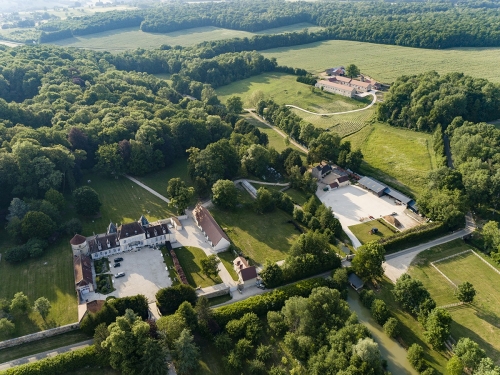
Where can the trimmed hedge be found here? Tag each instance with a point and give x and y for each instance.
(271, 301)
(61, 364)
(412, 236)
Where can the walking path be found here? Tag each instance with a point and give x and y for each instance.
(165, 199)
(398, 263)
(337, 113)
(296, 144)
(43, 355)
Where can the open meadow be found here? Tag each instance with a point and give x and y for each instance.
(479, 321)
(386, 62)
(132, 38)
(397, 156)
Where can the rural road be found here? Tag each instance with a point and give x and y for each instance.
(43, 355)
(398, 263)
(165, 199)
(336, 113)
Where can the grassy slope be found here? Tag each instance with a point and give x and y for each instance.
(158, 181)
(259, 237)
(398, 156)
(189, 258)
(131, 38)
(362, 231)
(385, 62)
(123, 202)
(481, 320)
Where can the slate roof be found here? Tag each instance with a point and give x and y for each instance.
(102, 239)
(355, 281)
(78, 239)
(83, 270)
(397, 195)
(161, 229)
(111, 228)
(143, 221)
(372, 184)
(130, 230)
(209, 225)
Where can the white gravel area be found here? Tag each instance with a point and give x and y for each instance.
(351, 203)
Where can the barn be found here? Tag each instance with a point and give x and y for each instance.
(380, 189)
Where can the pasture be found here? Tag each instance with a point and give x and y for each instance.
(479, 321)
(397, 156)
(386, 62)
(132, 38)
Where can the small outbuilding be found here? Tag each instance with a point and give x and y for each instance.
(355, 282)
(247, 275)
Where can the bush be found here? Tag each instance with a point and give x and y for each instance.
(17, 254)
(391, 327)
(169, 299)
(412, 236)
(367, 297)
(271, 301)
(379, 311)
(416, 357)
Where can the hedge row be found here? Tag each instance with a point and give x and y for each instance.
(412, 236)
(271, 301)
(61, 364)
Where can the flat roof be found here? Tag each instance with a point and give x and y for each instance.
(372, 184)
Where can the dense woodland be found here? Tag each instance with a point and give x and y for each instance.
(416, 24)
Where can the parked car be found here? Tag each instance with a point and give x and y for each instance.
(117, 265)
(118, 259)
(119, 274)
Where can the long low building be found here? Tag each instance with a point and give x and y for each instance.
(336, 88)
(380, 189)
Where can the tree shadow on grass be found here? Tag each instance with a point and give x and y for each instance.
(486, 315)
(475, 337)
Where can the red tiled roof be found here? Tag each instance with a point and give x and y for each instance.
(338, 86)
(83, 270)
(206, 221)
(78, 239)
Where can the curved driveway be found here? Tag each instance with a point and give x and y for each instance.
(336, 113)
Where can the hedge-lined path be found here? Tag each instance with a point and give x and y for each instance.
(43, 355)
(398, 263)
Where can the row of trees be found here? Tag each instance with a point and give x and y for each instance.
(17, 307)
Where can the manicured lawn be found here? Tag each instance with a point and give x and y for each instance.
(43, 345)
(397, 156)
(49, 276)
(122, 202)
(189, 258)
(167, 259)
(385, 62)
(481, 320)
(284, 89)
(132, 38)
(260, 237)
(218, 300)
(227, 258)
(363, 234)
(158, 181)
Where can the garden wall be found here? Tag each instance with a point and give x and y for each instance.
(39, 335)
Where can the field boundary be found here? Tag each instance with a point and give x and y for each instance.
(335, 113)
(458, 254)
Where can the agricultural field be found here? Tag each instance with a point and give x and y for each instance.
(132, 38)
(259, 237)
(284, 89)
(189, 258)
(363, 231)
(400, 157)
(479, 321)
(49, 276)
(386, 62)
(122, 202)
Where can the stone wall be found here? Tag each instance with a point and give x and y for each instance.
(39, 335)
(213, 291)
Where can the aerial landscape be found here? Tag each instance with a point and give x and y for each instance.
(249, 187)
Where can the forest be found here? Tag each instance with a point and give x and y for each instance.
(415, 24)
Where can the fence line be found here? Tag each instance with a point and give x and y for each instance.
(452, 305)
(446, 277)
(451, 256)
(484, 260)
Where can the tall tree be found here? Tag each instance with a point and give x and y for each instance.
(465, 292)
(186, 353)
(234, 104)
(42, 306)
(368, 260)
(36, 224)
(20, 303)
(352, 71)
(86, 201)
(225, 194)
(437, 327)
(179, 194)
(210, 265)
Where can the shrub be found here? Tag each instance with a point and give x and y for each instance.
(379, 311)
(411, 236)
(416, 357)
(391, 327)
(17, 254)
(367, 297)
(169, 299)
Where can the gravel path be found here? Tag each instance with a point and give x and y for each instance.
(165, 199)
(336, 113)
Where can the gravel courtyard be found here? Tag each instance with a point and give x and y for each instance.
(145, 273)
(350, 203)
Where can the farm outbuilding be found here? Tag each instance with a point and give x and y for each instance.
(355, 282)
(380, 189)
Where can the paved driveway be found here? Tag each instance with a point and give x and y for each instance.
(351, 203)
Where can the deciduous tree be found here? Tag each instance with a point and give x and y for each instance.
(225, 194)
(179, 194)
(186, 353)
(368, 260)
(437, 327)
(465, 292)
(42, 306)
(86, 201)
(210, 265)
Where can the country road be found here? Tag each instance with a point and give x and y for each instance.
(336, 113)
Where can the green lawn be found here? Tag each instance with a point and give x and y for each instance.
(385, 62)
(132, 38)
(189, 258)
(479, 321)
(123, 202)
(399, 157)
(298, 196)
(218, 300)
(362, 231)
(49, 276)
(259, 237)
(167, 259)
(43, 345)
(284, 89)
(158, 181)
(227, 258)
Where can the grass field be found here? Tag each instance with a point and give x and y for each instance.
(362, 231)
(43, 345)
(189, 258)
(259, 237)
(298, 196)
(397, 156)
(227, 258)
(123, 202)
(158, 181)
(49, 276)
(284, 89)
(481, 320)
(132, 38)
(385, 62)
